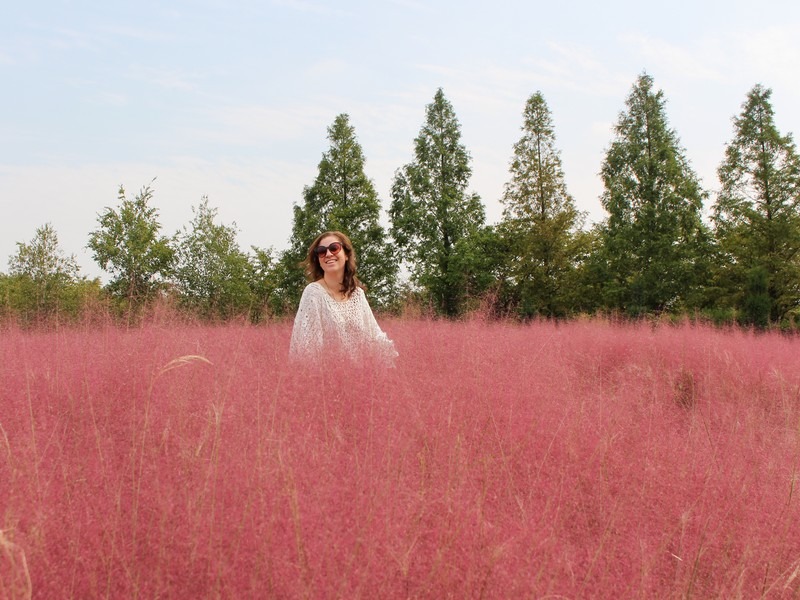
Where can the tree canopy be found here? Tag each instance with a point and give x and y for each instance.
(756, 213)
(211, 272)
(342, 198)
(652, 254)
(540, 218)
(432, 211)
(129, 245)
(654, 243)
(43, 280)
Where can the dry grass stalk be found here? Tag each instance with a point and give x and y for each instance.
(15, 580)
(685, 389)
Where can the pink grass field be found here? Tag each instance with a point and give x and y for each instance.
(580, 460)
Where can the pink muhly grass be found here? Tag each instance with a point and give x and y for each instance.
(584, 459)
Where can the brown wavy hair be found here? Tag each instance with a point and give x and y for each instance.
(314, 270)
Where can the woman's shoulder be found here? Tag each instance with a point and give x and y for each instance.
(312, 292)
(315, 288)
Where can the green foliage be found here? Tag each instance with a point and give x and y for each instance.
(42, 259)
(263, 278)
(540, 219)
(43, 281)
(127, 244)
(68, 301)
(756, 214)
(211, 272)
(654, 243)
(342, 198)
(652, 254)
(581, 290)
(479, 265)
(756, 305)
(431, 212)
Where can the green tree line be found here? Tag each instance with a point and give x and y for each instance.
(653, 254)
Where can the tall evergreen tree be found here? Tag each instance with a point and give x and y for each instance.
(654, 243)
(431, 211)
(756, 215)
(342, 198)
(540, 218)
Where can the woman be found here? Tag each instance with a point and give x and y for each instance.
(334, 315)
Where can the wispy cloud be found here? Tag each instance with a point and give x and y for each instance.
(63, 39)
(33, 44)
(415, 5)
(38, 41)
(108, 98)
(577, 68)
(172, 79)
(700, 60)
(261, 124)
(328, 67)
(309, 6)
(563, 67)
(773, 52)
(142, 34)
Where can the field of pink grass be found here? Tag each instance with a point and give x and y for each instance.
(576, 460)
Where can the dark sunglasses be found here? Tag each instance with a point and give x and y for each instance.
(335, 247)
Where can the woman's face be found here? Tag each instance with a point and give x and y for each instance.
(332, 263)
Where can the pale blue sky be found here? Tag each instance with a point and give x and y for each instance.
(232, 99)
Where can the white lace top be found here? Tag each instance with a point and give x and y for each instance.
(322, 322)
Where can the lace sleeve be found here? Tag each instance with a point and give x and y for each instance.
(307, 331)
(377, 338)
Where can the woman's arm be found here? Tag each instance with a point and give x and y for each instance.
(376, 337)
(307, 330)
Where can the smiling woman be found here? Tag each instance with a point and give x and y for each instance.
(334, 314)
